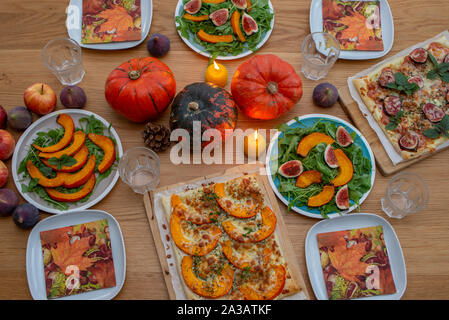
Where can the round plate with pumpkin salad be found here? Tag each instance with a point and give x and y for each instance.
(224, 29)
(320, 166)
(66, 161)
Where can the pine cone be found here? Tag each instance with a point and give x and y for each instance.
(156, 137)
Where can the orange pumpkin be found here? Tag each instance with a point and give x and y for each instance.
(140, 89)
(265, 87)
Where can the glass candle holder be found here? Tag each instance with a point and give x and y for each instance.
(139, 168)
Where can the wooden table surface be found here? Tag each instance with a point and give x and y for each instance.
(28, 25)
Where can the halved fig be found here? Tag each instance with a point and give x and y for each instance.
(291, 169)
(249, 24)
(418, 80)
(193, 6)
(268, 226)
(345, 171)
(330, 158)
(433, 113)
(386, 77)
(409, 141)
(419, 55)
(342, 198)
(311, 141)
(273, 280)
(240, 4)
(392, 105)
(219, 17)
(344, 139)
(325, 196)
(217, 287)
(307, 178)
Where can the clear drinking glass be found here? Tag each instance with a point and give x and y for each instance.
(63, 57)
(140, 168)
(320, 50)
(406, 193)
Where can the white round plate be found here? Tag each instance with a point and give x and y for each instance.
(311, 119)
(387, 25)
(360, 220)
(45, 124)
(35, 264)
(74, 25)
(200, 49)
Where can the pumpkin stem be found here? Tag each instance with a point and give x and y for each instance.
(134, 75)
(193, 106)
(272, 87)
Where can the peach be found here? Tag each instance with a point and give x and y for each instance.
(4, 174)
(7, 144)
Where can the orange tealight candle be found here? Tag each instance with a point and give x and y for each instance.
(255, 145)
(217, 74)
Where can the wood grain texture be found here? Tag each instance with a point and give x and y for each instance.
(28, 25)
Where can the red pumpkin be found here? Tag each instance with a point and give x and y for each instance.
(140, 89)
(265, 87)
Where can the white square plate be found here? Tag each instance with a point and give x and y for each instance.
(387, 25)
(74, 25)
(360, 220)
(35, 264)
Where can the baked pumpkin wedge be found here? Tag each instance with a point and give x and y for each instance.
(235, 24)
(189, 213)
(211, 38)
(345, 170)
(237, 255)
(80, 157)
(307, 178)
(79, 137)
(217, 287)
(236, 210)
(311, 141)
(73, 197)
(43, 180)
(108, 147)
(66, 122)
(206, 239)
(79, 178)
(273, 284)
(325, 196)
(246, 236)
(195, 18)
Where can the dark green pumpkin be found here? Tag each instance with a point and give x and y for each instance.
(205, 102)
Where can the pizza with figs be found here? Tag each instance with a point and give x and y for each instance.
(226, 242)
(409, 98)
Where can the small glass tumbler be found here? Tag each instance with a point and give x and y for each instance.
(63, 57)
(406, 193)
(320, 50)
(139, 168)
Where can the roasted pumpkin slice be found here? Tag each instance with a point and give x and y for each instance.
(325, 196)
(73, 197)
(108, 147)
(211, 38)
(191, 214)
(43, 180)
(246, 256)
(245, 210)
(69, 128)
(235, 24)
(311, 141)
(307, 178)
(79, 138)
(193, 240)
(345, 170)
(247, 235)
(195, 18)
(79, 178)
(80, 157)
(214, 1)
(216, 287)
(273, 281)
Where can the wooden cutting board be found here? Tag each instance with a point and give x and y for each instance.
(383, 162)
(270, 197)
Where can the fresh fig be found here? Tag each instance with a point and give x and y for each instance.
(158, 45)
(330, 157)
(3, 118)
(20, 118)
(8, 202)
(249, 24)
(342, 198)
(240, 4)
(219, 17)
(291, 169)
(325, 95)
(344, 139)
(26, 215)
(193, 6)
(73, 97)
(409, 141)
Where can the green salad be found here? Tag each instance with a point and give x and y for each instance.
(51, 137)
(260, 12)
(298, 197)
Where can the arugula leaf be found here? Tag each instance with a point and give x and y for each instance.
(439, 70)
(401, 84)
(438, 129)
(64, 160)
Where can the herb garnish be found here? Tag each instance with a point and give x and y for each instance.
(394, 120)
(439, 129)
(401, 84)
(64, 160)
(439, 70)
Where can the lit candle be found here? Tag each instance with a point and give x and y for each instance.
(255, 145)
(217, 74)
